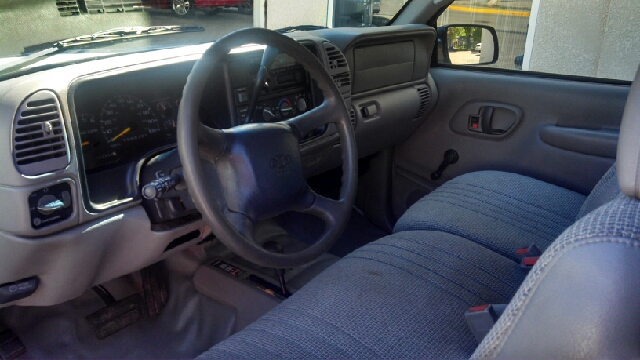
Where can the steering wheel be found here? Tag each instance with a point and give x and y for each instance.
(259, 165)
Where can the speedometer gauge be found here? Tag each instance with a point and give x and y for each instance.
(126, 120)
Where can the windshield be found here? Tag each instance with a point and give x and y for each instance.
(37, 29)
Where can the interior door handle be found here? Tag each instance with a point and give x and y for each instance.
(483, 123)
(486, 120)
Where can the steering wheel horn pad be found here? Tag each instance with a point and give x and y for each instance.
(259, 166)
(261, 170)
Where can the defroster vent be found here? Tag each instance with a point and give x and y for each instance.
(39, 138)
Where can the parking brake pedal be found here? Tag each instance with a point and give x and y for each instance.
(10, 345)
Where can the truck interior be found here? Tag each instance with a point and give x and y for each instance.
(317, 192)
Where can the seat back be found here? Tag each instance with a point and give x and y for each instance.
(605, 190)
(580, 300)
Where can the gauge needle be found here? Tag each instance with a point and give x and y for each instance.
(121, 134)
(85, 143)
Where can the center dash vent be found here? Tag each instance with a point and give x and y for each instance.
(425, 100)
(342, 80)
(354, 119)
(338, 68)
(39, 138)
(334, 56)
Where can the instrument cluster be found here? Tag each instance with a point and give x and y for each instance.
(124, 127)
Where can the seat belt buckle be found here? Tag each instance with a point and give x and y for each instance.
(482, 318)
(532, 250)
(527, 262)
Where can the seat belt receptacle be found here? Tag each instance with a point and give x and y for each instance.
(482, 318)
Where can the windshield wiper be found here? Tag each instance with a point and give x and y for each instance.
(123, 33)
(91, 41)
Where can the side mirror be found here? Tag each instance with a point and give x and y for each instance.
(468, 45)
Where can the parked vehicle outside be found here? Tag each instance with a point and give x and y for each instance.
(179, 7)
(188, 7)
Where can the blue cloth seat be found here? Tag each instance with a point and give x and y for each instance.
(402, 296)
(504, 211)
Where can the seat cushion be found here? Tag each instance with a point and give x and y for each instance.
(501, 211)
(402, 296)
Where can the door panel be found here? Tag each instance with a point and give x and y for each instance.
(564, 131)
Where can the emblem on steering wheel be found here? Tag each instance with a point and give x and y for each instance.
(280, 161)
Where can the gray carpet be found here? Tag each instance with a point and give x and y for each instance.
(190, 324)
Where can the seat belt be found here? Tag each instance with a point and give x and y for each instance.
(482, 318)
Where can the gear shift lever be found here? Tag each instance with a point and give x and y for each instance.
(276, 247)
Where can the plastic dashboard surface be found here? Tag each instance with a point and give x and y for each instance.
(90, 247)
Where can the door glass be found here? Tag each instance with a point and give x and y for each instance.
(595, 38)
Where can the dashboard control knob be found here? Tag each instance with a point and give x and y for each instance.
(301, 104)
(159, 187)
(48, 204)
(285, 108)
(267, 114)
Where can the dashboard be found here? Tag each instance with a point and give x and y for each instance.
(125, 119)
(82, 140)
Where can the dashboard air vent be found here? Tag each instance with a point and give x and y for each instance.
(39, 138)
(338, 68)
(342, 80)
(68, 7)
(354, 119)
(425, 99)
(334, 56)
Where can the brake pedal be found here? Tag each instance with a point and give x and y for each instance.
(154, 287)
(10, 345)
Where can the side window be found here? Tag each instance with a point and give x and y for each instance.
(595, 38)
